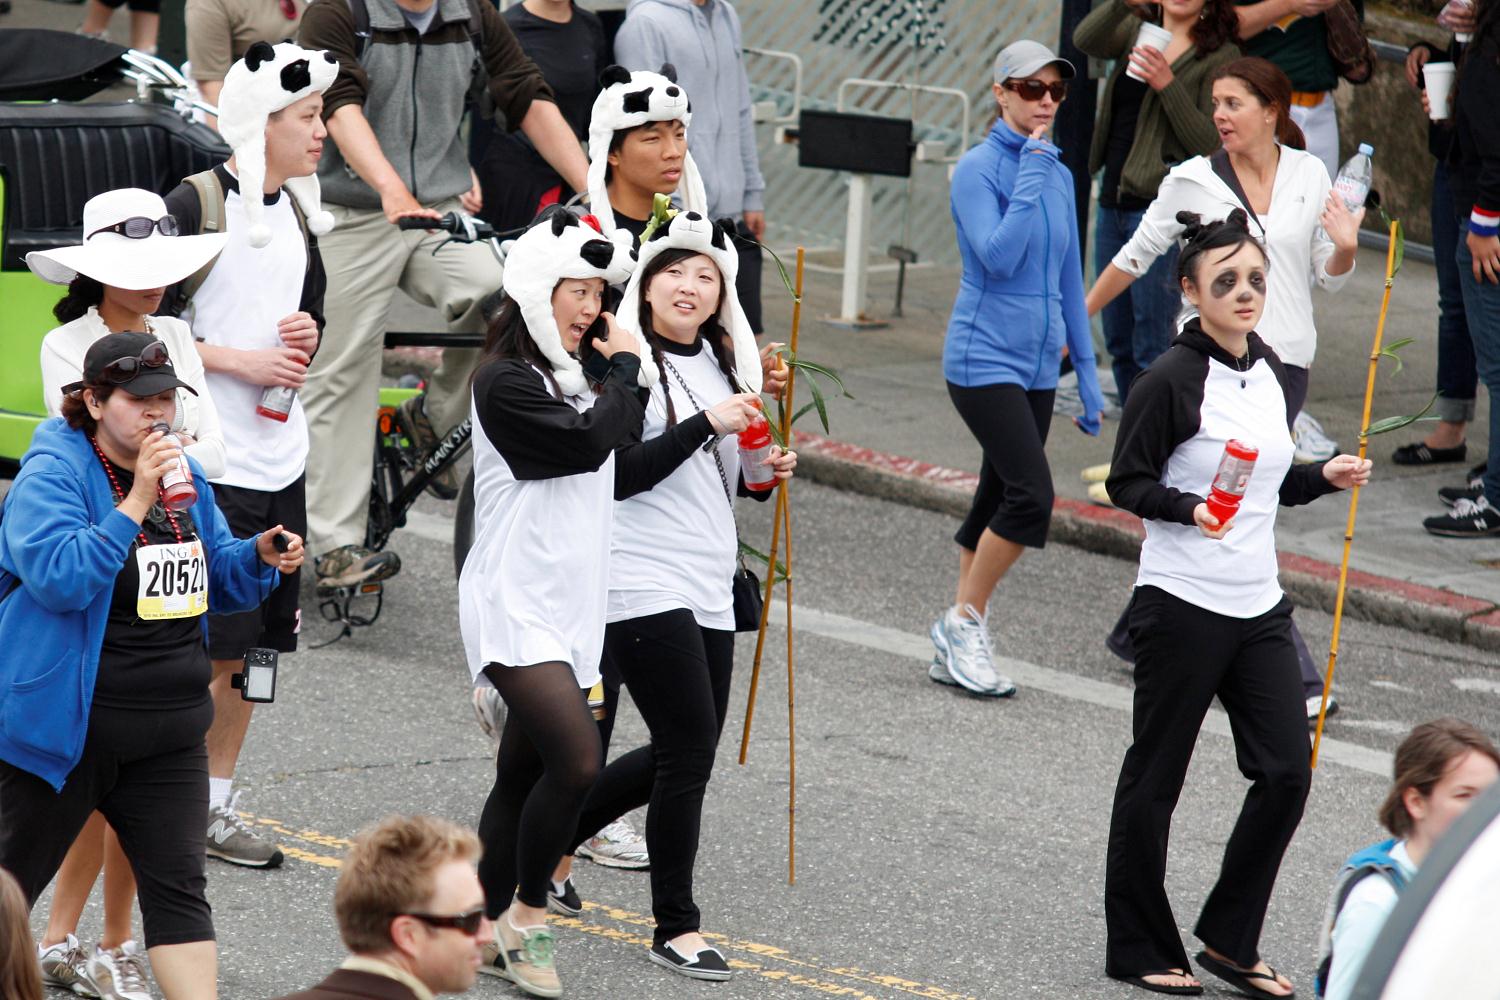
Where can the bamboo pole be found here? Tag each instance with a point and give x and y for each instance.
(1364, 441)
(791, 706)
(778, 517)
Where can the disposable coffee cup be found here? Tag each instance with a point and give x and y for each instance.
(1439, 79)
(1463, 37)
(1151, 37)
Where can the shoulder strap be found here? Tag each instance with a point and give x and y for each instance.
(476, 28)
(1220, 162)
(210, 220)
(361, 14)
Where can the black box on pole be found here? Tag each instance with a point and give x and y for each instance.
(863, 144)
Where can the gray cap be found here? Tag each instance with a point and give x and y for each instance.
(1026, 57)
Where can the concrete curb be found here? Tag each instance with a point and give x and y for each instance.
(1309, 582)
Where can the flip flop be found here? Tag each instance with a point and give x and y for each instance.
(1241, 979)
(1141, 981)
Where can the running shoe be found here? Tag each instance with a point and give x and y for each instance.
(230, 839)
(964, 641)
(1420, 453)
(562, 898)
(1099, 494)
(938, 671)
(66, 965)
(119, 973)
(525, 957)
(352, 565)
(489, 711)
(706, 964)
(1095, 473)
(1472, 489)
(1467, 519)
(411, 417)
(616, 846)
(1313, 444)
(1315, 702)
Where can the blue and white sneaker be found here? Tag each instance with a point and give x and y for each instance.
(938, 671)
(963, 642)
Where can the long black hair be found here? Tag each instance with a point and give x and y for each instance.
(711, 330)
(1232, 232)
(83, 292)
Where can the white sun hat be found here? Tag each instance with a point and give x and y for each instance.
(112, 258)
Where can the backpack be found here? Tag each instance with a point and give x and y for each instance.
(1372, 860)
(211, 220)
(479, 91)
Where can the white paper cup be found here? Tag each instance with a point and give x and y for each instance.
(1439, 79)
(1151, 37)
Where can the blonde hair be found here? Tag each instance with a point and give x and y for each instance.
(389, 870)
(20, 976)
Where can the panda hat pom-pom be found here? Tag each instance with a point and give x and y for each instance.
(692, 231)
(556, 247)
(269, 79)
(629, 100)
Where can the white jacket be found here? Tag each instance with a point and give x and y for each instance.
(1298, 252)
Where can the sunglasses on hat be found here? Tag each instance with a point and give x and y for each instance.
(138, 227)
(468, 922)
(122, 370)
(1035, 90)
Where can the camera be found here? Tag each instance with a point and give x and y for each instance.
(257, 682)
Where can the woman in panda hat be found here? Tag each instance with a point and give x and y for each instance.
(533, 589)
(672, 559)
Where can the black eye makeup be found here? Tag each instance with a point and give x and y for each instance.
(1225, 283)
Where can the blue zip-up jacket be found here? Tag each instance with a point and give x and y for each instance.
(1021, 294)
(65, 542)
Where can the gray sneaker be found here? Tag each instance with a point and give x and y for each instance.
(229, 839)
(65, 965)
(411, 417)
(616, 846)
(352, 565)
(119, 973)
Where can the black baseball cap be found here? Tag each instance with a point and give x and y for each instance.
(116, 360)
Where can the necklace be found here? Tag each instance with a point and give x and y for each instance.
(1242, 365)
(119, 494)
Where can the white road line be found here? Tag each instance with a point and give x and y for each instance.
(1058, 682)
(1474, 684)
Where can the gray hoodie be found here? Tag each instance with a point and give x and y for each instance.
(703, 42)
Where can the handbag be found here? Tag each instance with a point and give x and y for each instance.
(744, 586)
(1348, 46)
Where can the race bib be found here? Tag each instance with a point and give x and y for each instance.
(174, 581)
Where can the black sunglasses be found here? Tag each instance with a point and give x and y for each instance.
(138, 227)
(1035, 90)
(468, 922)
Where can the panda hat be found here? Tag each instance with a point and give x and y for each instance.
(556, 247)
(268, 79)
(692, 231)
(629, 100)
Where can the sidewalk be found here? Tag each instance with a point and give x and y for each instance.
(900, 438)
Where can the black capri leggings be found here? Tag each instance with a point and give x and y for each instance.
(147, 772)
(1014, 498)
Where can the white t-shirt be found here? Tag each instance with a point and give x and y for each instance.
(246, 294)
(63, 351)
(674, 546)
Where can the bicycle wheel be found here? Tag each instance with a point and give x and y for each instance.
(463, 524)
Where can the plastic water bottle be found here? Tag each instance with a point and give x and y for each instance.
(177, 489)
(1354, 180)
(1232, 479)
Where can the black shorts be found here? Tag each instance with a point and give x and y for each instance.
(276, 623)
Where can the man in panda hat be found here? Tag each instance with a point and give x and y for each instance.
(638, 148)
(256, 313)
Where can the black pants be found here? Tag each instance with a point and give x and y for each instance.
(1184, 657)
(1014, 498)
(549, 758)
(678, 675)
(147, 772)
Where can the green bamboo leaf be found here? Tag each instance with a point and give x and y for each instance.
(1392, 351)
(1396, 423)
(786, 279)
(817, 398)
(751, 552)
(1400, 248)
(801, 413)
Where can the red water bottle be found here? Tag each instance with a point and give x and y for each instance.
(276, 402)
(755, 455)
(1232, 480)
(177, 489)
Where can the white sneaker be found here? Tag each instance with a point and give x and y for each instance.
(965, 642)
(1313, 445)
(65, 965)
(489, 712)
(120, 973)
(938, 671)
(616, 846)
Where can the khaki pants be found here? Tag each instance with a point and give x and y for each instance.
(367, 259)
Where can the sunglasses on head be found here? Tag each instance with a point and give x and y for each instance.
(1035, 90)
(468, 922)
(139, 227)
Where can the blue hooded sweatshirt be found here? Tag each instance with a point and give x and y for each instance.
(703, 43)
(63, 540)
(1021, 294)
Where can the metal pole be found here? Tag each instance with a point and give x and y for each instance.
(856, 248)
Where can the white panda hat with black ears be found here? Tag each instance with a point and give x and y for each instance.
(629, 100)
(693, 231)
(556, 247)
(268, 79)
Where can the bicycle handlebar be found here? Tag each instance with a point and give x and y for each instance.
(462, 228)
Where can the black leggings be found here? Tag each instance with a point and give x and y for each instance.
(678, 675)
(1184, 657)
(548, 760)
(1014, 498)
(147, 772)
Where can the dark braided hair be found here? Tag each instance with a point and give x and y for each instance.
(711, 331)
(1201, 237)
(83, 292)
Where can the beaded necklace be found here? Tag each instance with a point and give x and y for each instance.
(114, 485)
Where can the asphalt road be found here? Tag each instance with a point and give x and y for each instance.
(946, 847)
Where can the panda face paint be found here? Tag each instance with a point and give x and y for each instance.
(576, 303)
(294, 139)
(1229, 290)
(682, 296)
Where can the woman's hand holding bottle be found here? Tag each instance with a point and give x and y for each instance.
(734, 413)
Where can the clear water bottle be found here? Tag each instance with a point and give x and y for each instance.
(1354, 180)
